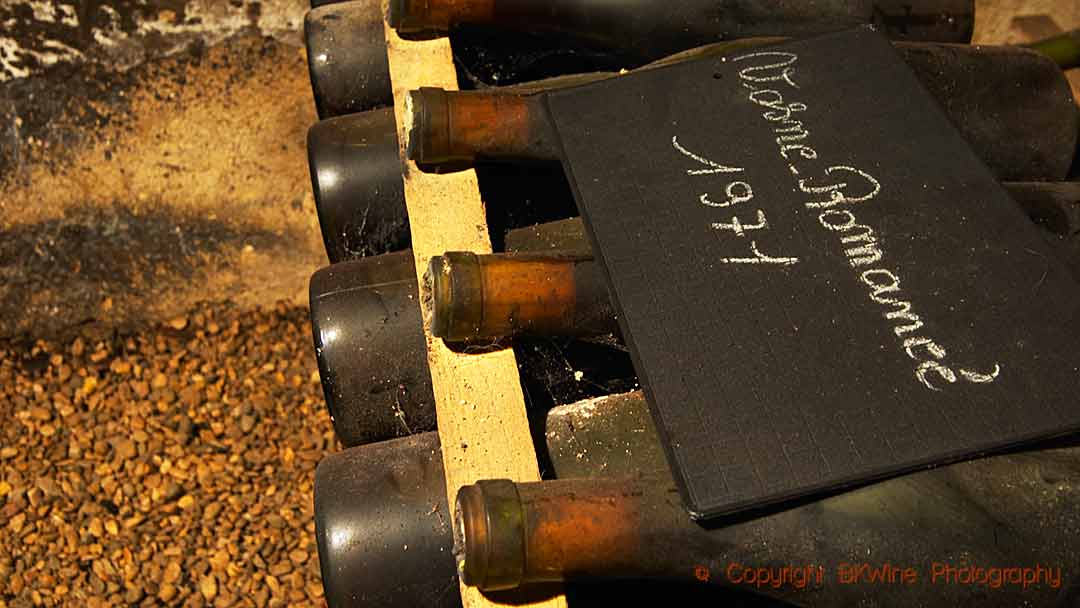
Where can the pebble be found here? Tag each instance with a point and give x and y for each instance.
(134, 594)
(172, 491)
(138, 469)
(142, 389)
(167, 593)
(208, 587)
(212, 511)
(40, 414)
(184, 428)
(125, 448)
(191, 396)
(172, 573)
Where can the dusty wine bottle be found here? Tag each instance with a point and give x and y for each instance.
(368, 332)
(1012, 105)
(355, 173)
(370, 348)
(355, 169)
(369, 338)
(356, 178)
(510, 534)
(490, 297)
(456, 128)
(373, 501)
(495, 296)
(349, 72)
(346, 53)
(652, 28)
(382, 519)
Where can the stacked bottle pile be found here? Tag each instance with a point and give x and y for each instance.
(612, 511)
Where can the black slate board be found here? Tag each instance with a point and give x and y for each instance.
(778, 379)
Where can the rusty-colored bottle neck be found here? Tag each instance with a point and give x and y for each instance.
(458, 127)
(489, 535)
(509, 534)
(488, 297)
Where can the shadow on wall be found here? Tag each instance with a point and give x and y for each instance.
(151, 156)
(112, 262)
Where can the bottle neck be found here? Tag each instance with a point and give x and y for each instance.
(510, 534)
(484, 298)
(459, 127)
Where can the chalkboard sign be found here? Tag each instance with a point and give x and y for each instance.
(818, 280)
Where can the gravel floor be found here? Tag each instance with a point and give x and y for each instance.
(169, 466)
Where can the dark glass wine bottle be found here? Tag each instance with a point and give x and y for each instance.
(653, 28)
(1012, 105)
(369, 337)
(372, 502)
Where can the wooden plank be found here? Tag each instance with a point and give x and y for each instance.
(478, 398)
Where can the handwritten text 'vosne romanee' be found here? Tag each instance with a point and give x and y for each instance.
(833, 192)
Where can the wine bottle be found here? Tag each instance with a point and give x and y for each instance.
(346, 54)
(1012, 105)
(355, 167)
(373, 501)
(486, 298)
(382, 520)
(511, 534)
(370, 345)
(368, 332)
(347, 60)
(653, 28)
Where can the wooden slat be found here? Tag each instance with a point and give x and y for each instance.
(478, 398)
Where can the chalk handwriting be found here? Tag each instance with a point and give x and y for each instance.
(751, 74)
(740, 228)
(760, 258)
(715, 167)
(735, 193)
(835, 195)
(745, 193)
